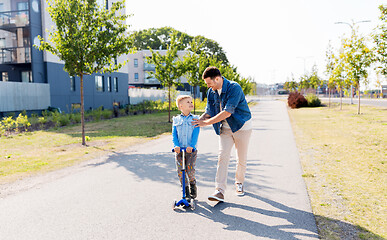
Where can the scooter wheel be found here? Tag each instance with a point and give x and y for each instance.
(192, 204)
(174, 205)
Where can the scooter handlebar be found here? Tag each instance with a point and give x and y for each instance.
(183, 149)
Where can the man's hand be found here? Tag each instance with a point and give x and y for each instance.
(189, 149)
(177, 149)
(199, 122)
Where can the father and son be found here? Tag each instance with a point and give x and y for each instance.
(228, 112)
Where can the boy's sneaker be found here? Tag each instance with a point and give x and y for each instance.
(217, 196)
(193, 190)
(187, 193)
(239, 189)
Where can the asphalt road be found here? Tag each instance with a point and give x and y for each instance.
(370, 102)
(129, 194)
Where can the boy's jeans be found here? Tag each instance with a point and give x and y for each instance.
(227, 139)
(189, 166)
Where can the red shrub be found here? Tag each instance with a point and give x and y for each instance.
(297, 100)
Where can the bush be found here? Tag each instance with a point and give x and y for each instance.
(8, 123)
(106, 114)
(56, 116)
(313, 100)
(64, 120)
(296, 100)
(22, 122)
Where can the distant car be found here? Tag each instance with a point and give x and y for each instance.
(131, 86)
(54, 109)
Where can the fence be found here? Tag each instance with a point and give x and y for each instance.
(137, 95)
(19, 96)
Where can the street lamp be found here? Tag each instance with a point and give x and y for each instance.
(304, 58)
(352, 26)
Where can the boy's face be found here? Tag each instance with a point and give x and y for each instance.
(186, 105)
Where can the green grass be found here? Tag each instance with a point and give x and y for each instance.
(26, 154)
(346, 154)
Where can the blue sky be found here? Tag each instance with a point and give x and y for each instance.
(267, 40)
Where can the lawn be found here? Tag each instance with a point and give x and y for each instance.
(343, 156)
(41, 151)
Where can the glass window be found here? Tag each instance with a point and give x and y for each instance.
(4, 76)
(136, 77)
(109, 84)
(22, 6)
(115, 84)
(135, 62)
(26, 76)
(72, 83)
(99, 84)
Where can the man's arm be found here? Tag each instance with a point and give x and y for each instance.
(208, 121)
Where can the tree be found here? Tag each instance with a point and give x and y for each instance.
(380, 39)
(88, 38)
(194, 65)
(160, 38)
(330, 60)
(304, 83)
(338, 76)
(314, 79)
(357, 58)
(168, 68)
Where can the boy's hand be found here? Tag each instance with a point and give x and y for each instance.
(189, 149)
(177, 149)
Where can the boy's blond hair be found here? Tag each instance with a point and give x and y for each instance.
(181, 97)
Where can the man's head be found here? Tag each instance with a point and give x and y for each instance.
(184, 103)
(213, 78)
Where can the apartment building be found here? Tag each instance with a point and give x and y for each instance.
(139, 69)
(34, 80)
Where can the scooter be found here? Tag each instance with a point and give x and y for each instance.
(183, 202)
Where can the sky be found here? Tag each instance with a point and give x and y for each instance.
(267, 40)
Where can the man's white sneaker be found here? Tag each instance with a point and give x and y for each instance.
(239, 189)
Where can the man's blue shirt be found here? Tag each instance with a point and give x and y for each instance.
(233, 101)
(184, 134)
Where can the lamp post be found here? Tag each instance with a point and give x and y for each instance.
(304, 58)
(352, 26)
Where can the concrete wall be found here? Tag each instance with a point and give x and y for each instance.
(17, 96)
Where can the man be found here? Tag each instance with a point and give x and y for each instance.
(228, 112)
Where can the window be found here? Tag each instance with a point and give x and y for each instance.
(115, 84)
(4, 76)
(26, 76)
(135, 62)
(99, 84)
(109, 84)
(22, 6)
(136, 77)
(72, 83)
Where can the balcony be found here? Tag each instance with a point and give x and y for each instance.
(149, 67)
(15, 55)
(151, 81)
(12, 19)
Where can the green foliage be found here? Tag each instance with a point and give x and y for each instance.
(160, 38)
(8, 123)
(313, 100)
(380, 39)
(22, 122)
(56, 116)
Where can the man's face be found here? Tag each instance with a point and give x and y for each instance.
(214, 83)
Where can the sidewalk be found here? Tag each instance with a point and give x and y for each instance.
(129, 194)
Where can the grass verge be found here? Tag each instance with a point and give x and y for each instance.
(343, 156)
(41, 151)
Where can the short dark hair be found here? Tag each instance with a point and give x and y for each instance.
(211, 72)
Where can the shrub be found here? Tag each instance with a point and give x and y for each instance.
(296, 100)
(2, 129)
(313, 100)
(8, 123)
(106, 114)
(56, 118)
(22, 122)
(64, 120)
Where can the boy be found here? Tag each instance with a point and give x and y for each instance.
(185, 135)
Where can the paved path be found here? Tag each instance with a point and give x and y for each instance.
(128, 195)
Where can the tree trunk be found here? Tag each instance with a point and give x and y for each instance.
(358, 107)
(169, 100)
(329, 98)
(82, 114)
(194, 100)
